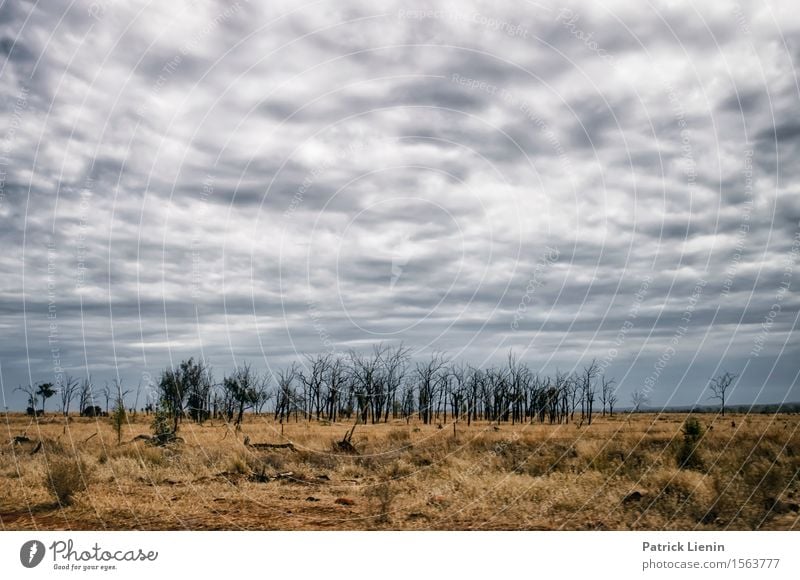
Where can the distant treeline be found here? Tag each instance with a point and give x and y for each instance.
(767, 408)
(369, 387)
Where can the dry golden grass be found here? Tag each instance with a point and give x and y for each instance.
(619, 473)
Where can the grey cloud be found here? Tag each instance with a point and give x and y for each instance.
(432, 230)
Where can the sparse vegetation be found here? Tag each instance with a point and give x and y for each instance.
(66, 476)
(688, 454)
(634, 471)
(118, 418)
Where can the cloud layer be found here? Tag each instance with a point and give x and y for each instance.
(607, 180)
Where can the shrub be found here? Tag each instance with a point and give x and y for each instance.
(688, 456)
(118, 419)
(383, 495)
(65, 478)
(161, 424)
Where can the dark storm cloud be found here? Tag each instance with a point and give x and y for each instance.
(233, 177)
(788, 131)
(744, 101)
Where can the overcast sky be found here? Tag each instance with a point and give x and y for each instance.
(613, 180)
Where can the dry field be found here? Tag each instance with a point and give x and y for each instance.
(620, 473)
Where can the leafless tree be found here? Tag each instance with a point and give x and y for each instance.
(67, 390)
(32, 397)
(719, 386)
(368, 383)
(313, 378)
(588, 390)
(639, 398)
(285, 396)
(606, 392)
(85, 395)
(572, 389)
(337, 381)
(429, 379)
(394, 362)
(459, 390)
(108, 394)
(612, 400)
(408, 403)
(263, 393)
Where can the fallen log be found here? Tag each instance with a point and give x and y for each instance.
(263, 446)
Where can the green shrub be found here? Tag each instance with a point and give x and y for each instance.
(118, 419)
(688, 456)
(161, 424)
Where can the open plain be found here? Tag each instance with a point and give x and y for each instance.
(620, 473)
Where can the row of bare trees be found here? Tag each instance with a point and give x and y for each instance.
(69, 389)
(385, 384)
(371, 387)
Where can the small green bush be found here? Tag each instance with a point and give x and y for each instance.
(688, 456)
(118, 419)
(161, 424)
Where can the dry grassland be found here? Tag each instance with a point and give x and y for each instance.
(620, 473)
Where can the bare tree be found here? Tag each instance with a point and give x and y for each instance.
(394, 361)
(285, 395)
(606, 392)
(313, 380)
(719, 386)
(108, 394)
(32, 397)
(588, 389)
(263, 393)
(67, 389)
(458, 390)
(429, 376)
(368, 384)
(639, 398)
(337, 380)
(85, 395)
(612, 400)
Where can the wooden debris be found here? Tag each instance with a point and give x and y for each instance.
(346, 445)
(263, 446)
